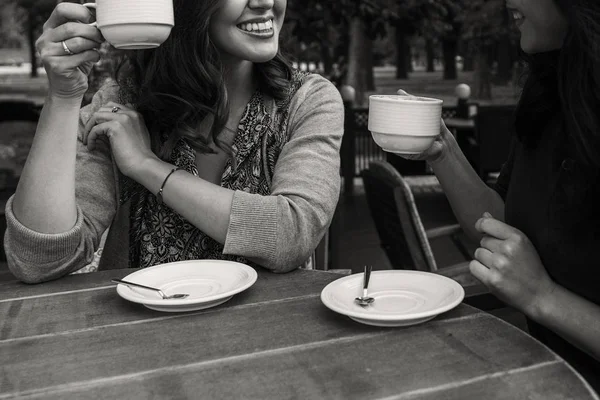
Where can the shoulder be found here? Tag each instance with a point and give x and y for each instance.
(313, 90)
(109, 91)
(315, 84)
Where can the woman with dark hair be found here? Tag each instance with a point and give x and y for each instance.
(539, 226)
(208, 147)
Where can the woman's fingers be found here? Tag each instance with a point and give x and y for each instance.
(65, 12)
(105, 114)
(75, 29)
(481, 272)
(102, 129)
(76, 45)
(63, 64)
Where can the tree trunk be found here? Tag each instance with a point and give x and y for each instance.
(31, 38)
(450, 50)
(504, 60)
(409, 57)
(469, 63)
(360, 70)
(326, 58)
(367, 65)
(429, 49)
(483, 76)
(401, 59)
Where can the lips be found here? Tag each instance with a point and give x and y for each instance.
(518, 17)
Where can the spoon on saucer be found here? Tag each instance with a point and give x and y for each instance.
(160, 292)
(365, 300)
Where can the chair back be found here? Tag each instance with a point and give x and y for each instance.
(396, 218)
(495, 125)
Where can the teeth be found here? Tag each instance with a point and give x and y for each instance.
(257, 27)
(517, 15)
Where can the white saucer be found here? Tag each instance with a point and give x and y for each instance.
(208, 283)
(402, 298)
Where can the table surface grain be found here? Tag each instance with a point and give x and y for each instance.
(76, 338)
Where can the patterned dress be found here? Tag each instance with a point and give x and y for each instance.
(160, 235)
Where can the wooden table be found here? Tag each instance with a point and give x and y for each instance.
(76, 339)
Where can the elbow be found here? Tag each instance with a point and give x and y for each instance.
(291, 254)
(26, 273)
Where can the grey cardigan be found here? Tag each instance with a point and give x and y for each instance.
(279, 231)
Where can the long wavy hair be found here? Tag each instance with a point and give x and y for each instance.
(179, 84)
(567, 81)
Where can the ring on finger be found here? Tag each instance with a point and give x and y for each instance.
(115, 109)
(66, 48)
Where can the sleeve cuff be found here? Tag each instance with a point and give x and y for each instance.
(252, 230)
(33, 246)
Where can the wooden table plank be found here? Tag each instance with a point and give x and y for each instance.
(458, 356)
(87, 309)
(165, 343)
(12, 289)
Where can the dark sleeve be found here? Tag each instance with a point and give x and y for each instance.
(501, 184)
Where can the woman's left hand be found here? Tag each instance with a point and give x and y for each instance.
(128, 135)
(509, 265)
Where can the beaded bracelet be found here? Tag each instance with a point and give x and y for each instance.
(159, 196)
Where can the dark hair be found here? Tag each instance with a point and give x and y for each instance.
(567, 82)
(182, 81)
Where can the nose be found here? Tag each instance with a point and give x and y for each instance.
(261, 4)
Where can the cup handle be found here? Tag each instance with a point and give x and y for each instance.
(91, 5)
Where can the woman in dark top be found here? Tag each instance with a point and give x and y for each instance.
(539, 227)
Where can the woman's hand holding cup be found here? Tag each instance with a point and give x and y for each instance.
(437, 148)
(68, 49)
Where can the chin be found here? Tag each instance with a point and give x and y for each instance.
(262, 56)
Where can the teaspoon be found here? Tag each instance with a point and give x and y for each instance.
(160, 292)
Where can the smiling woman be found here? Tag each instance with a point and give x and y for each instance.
(543, 27)
(208, 147)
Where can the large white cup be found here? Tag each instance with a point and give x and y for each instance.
(134, 24)
(404, 124)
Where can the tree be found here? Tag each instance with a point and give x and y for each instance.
(343, 30)
(10, 37)
(32, 14)
(491, 37)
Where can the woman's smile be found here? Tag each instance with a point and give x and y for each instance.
(518, 17)
(258, 28)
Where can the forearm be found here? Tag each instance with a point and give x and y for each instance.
(468, 195)
(572, 317)
(205, 205)
(45, 197)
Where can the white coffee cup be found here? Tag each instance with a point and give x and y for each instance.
(134, 24)
(404, 124)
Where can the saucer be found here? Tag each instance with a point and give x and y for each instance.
(402, 298)
(208, 283)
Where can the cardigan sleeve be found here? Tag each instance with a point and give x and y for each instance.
(35, 257)
(280, 231)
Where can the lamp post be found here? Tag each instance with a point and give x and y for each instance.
(463, 92)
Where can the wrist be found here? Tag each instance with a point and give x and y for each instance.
(151, 172)
(542, 304)
(55, 99)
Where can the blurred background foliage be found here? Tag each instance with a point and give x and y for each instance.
(345, 39)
